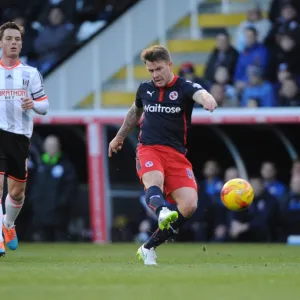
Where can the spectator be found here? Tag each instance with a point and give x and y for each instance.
(286, 54)
(289, 93)
(53, 191)
(284, 73)
(219, 93)
(255, 54)
(276, 7)
(255, 20)
(68, 8)
(223, 54)
(287, 22)
(221, 212)
(212, 182)
(201, 223)
(231, 173)
(275, 187)
(290, 212)
(259, 222)
(222, 77)
(295, 168)
(54, 41)
(188, 72)
(258, 89)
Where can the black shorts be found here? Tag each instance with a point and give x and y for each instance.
(14, 152)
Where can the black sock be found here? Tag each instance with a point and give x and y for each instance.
(160, 236)
(155, 199)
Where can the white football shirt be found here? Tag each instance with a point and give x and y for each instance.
(17, 82)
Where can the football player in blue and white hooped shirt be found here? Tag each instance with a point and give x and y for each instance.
(21, 94)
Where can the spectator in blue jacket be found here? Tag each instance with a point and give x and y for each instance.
(274, 186)
(255, 53)
(259, 89)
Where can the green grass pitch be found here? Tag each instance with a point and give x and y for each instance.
(185, 271)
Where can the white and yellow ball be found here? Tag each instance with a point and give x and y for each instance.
(237, 194)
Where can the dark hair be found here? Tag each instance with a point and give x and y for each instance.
(10, 25)
(251, 28)
(155, 53)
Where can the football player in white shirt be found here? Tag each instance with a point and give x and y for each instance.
(21, 93)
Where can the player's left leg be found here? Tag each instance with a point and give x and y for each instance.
(186, 199)
(13, 204)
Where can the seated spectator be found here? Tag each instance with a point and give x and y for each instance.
(201, 223)
(218, 91)
(284, 73)
(54, 41)
(286, 53)
(220, 232)
(288, 20)
(289, 93)
(68, 7)
(222, 77)
(223, 54)
(188, 72)
(276, 5)
(254, 19)
(255, 54)
(295, 171)
(259, 222)
(290, 210)
(258, 89)
(212, 182)
(231, 173)
(274, 186)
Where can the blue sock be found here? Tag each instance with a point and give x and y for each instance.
(155, 199)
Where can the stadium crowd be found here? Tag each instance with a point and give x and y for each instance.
(259, 65)
(54, 27)
(273, 216)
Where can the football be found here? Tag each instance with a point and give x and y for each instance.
(237, 194)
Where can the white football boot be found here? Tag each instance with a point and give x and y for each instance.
(166, 217)
(148, 256)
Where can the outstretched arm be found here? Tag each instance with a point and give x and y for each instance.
(131, 120)
(206, 100)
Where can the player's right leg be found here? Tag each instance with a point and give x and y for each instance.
(18, 152)
(151, 172)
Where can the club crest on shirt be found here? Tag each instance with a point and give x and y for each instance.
(25, 83)
(173, 95)
(190, 173)
(149, 164)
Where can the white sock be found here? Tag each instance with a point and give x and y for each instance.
(1, 215)
(12, 208)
